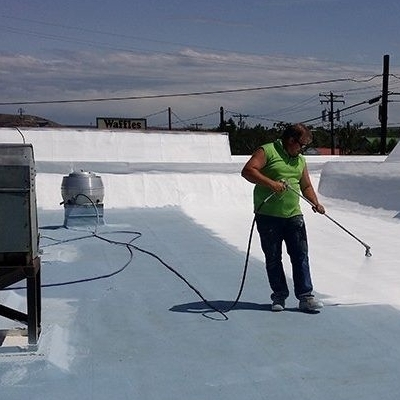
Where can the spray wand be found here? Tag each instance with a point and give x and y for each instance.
(367, 247)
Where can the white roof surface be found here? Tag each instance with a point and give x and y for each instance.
(143, 333)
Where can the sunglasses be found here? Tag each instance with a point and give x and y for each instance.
(303, 146)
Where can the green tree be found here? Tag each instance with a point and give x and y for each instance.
(321, 137)
(350, 138)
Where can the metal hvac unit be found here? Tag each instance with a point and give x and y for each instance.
(19, 258)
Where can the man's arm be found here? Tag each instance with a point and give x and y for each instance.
(252, 172)
(309, 193)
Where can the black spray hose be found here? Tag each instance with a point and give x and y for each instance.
(130, 246)
(246, 263)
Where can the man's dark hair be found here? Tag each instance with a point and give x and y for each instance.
(294, 131)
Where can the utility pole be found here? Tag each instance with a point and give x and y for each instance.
(331, 98)
(383, 115)
(221, 119)
(196, 126)
(241, 119)
(169, 119)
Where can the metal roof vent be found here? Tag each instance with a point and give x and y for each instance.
(83, 194)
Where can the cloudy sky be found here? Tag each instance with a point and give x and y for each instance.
(290, 53)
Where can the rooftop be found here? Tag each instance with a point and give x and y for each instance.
(119, 321)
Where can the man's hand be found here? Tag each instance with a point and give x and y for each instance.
(279, 186)
(319, 208)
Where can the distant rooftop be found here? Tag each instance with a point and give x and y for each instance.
(11, 120)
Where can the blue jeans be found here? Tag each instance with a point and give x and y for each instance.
(273, 232)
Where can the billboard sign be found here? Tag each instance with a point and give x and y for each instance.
(121, 123)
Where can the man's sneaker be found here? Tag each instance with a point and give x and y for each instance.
(310, 303)
(278, 305)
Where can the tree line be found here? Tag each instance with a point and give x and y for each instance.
(349, 139)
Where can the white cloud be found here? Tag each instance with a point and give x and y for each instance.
(85, 75)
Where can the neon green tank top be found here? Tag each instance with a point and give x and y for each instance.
(280, 165)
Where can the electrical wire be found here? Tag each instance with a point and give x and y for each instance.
(198, 117)
(186, 94)
(179, 120)
(358, 111)
(156, 113)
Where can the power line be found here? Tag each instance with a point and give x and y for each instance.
(159, 96)
(178, 118)
(294, 108)
(358, 111)
(370, 101)
(259, 117)
(196, 118)
(155, 113)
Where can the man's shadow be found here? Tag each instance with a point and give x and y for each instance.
(223, 306)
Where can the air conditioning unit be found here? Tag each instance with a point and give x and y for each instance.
(19, 238)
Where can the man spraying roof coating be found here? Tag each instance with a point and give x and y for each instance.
(273, 168)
